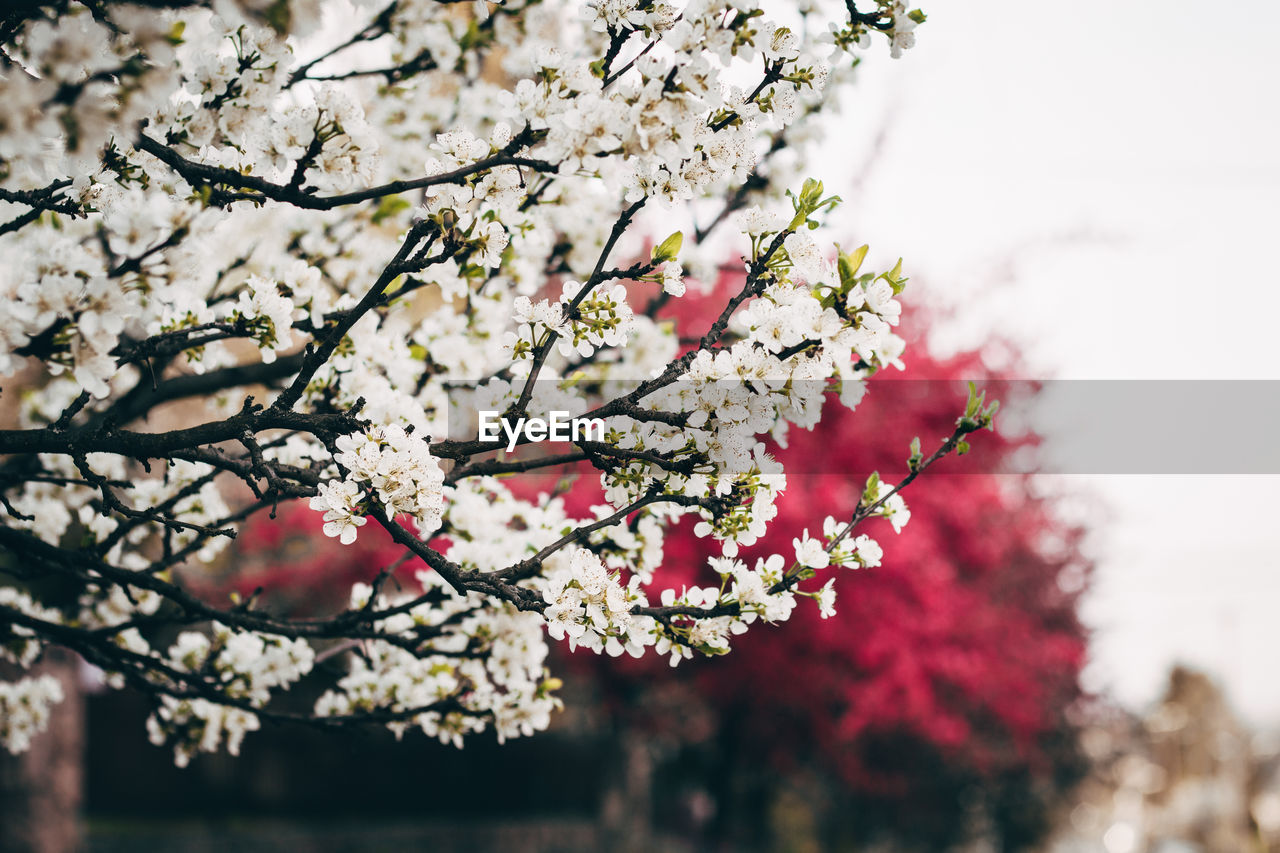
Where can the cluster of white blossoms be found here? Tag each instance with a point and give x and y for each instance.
(44, 287)
(262, 304)
(581, 325)
(396, 468)
(24, 709)
(19, 644)
(245, 265)
(246, 666)
(192, 726)
(480, 664)
(587, 605)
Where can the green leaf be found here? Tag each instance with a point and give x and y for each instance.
(916, 457)
(976, 398)
(850, 264)
(668, 249)
(810, 192)
(989, 415)
(808, 202)
(895, 278)
(872, 489)
(471, 37)
(389, 206)
(279, 16)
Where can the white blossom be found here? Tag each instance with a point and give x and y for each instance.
(24, 709)
(319, 277)
(811, 552)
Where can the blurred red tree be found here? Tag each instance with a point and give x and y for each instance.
(939, 698)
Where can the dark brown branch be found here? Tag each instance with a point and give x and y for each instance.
(158, 445)
(199, 174)
(597, 276)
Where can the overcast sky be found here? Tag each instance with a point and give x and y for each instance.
(1101, 183)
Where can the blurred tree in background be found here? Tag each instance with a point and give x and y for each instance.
(939, 703)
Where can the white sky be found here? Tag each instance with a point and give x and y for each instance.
(1100, 182)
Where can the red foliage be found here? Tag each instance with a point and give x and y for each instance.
(965, 639)
(296, 567)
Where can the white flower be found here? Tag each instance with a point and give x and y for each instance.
(589, 607)
(868, 551)
(755, 221)
(811, 552)
(491, 239)
(262, 302)
(406, 479)
(851, 393)
(339, 500)
(895, 509)
(673, 279)
(880, 299)
(24, 710)
(827, 600)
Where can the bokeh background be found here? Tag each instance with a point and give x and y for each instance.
(1100, 183)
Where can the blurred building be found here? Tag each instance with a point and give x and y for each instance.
(1187, 777)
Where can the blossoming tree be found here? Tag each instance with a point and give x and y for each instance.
(248, 262)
